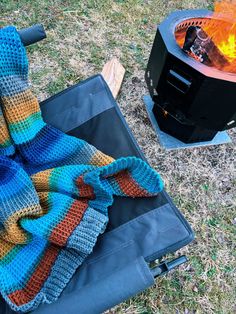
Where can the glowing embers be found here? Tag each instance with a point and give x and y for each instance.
(224, 36)
(212, 40)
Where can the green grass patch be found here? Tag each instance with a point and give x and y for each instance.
(81, 37)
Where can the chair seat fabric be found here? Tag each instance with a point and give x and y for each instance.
(139, 230)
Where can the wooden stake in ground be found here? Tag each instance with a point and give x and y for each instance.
(113, 73)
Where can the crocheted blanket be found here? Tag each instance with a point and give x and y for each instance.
(55, 190)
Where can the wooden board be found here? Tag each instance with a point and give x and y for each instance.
(113, 73)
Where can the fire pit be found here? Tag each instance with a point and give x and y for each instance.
(189, 78)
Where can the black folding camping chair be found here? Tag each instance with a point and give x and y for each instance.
(140, 230)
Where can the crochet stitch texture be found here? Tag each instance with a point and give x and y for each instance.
(55, 190)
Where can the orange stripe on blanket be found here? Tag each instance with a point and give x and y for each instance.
(37, 279)
(60, 235)
(63, 230)
(85, 190)
(129, 186)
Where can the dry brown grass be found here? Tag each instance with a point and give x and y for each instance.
(82, 36)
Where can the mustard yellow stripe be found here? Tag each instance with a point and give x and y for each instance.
(44, 201)
(100, 159)
(5, 248)
(5, 143)
(41, 180)
(2, 122)
(4, 134)
(13, 232)
(19, 107)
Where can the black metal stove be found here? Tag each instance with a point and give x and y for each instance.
(192, 100)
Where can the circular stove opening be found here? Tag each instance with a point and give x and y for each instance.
(220, 60)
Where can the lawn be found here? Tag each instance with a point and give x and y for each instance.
(82, 36)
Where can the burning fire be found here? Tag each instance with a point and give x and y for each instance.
(223, 33)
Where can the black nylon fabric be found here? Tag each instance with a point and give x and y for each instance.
(108, 133)
(105, 128)
(139, 230)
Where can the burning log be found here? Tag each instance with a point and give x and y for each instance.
(200, 46)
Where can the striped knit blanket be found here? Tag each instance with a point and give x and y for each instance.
(54, 190)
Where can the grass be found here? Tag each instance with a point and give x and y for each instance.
(82, 36)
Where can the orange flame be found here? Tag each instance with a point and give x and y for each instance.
(223, 34)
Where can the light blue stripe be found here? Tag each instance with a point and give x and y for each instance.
(43, 226)
(85, 234)
(19, 85)
(20, 202)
